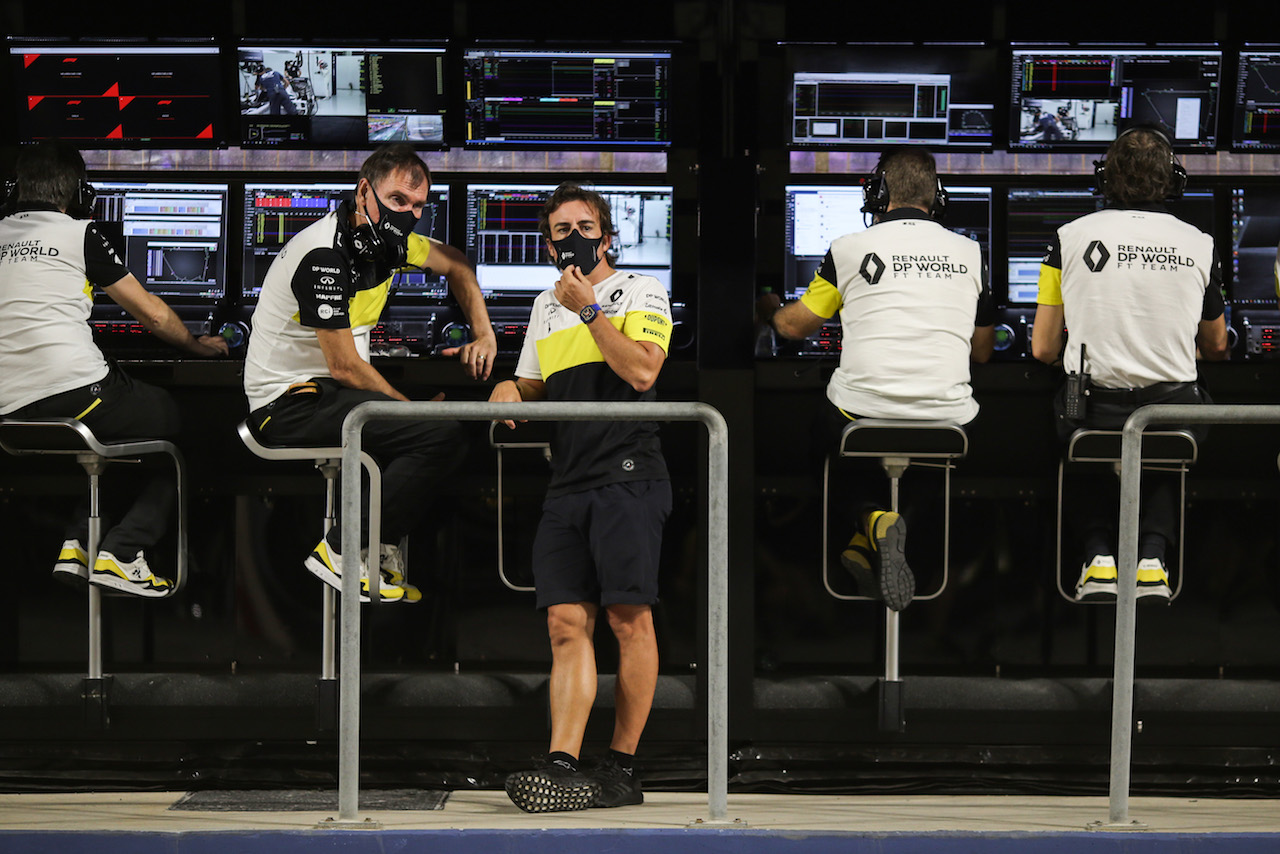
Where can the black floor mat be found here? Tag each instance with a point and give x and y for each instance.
(267, 800)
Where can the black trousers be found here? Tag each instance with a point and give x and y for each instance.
(120, 408)
(414, 456)
(1095, 501)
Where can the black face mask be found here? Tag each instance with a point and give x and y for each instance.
(578, 251)
(388, 241)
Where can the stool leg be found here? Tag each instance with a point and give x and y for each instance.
(95, 687)
(327, 687)
(891, 717)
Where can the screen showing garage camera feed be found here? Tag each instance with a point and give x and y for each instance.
(875, 95)
(818, 214)
(275, 212)
(118, 95)
(1256, 118)
(341, 97)
(563, 98)
(508, 252)
(172, 237)
(1065, 99)
(1255, 233)
(1034, 215)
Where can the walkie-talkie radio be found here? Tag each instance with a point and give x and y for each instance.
(1074, 404)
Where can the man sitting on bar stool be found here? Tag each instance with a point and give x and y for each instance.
(51, 257)
(308, 360)
(914, 308)
(1140, 291)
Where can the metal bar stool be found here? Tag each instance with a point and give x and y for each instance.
(69, 437)
(522, 438)
(1162, 450)
(328, 461)
(898, 445)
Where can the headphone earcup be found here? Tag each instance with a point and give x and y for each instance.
(9, 196)
(1178, 182)
(875, 194)
(940, 198)
(1099, 177)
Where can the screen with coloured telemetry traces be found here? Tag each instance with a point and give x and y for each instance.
(509, 254)
(1256, 118)
(275, 212)
(118, 95)
(172, 237)
(567, 98)
(1064, 99)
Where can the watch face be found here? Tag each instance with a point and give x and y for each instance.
(588, 313)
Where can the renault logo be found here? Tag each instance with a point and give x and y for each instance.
(872, 268)
(1096, 256)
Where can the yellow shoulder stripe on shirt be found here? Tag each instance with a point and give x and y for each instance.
(419, 250)
(822, 297)
(1050, 286)
(648, 326)
(366, 306)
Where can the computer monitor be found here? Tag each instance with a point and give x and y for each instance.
(509, 254)
(119, 95)
(275, 212)
(818, 214)
(341, 97)
(172, 236)
(872, 96)
(1035, 214)
(567, 98)
(1065, 99)
(1255, 123)
(1255, 234)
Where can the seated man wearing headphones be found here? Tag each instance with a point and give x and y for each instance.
(51, 256)
(914, 308)
(1139, 291)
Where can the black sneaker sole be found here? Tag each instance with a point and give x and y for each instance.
(608, 800)
(897, 583)
(534, 791)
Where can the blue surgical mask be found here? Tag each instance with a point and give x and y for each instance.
(577, 251)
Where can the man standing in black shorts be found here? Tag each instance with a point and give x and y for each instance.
(599, 334)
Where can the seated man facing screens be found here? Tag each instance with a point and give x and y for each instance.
(308, 360)
(1140, 291)
(51, 257)
(914, 308)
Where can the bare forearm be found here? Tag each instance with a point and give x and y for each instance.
(160, 320)
(636, 364)
(362, 375)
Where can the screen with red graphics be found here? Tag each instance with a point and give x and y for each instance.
(118, 96)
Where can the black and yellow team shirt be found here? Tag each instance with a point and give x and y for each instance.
(316, 282)
(560, 351)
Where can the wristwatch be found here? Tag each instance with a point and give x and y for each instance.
(589, 312)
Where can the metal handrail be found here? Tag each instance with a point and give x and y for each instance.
(717, 560)
(1127, 595)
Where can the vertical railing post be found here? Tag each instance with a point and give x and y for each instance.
(717, 575)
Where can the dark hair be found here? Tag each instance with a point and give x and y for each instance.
(572, 192)
(389, 159)
(912, 176)
(50, 172)
(1138, 168)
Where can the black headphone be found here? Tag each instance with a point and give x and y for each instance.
(1177, 178)
(81, 204)
(875, 197)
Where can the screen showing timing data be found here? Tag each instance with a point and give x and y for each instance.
(870, 96)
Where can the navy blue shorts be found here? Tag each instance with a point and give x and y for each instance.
(601, 545)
